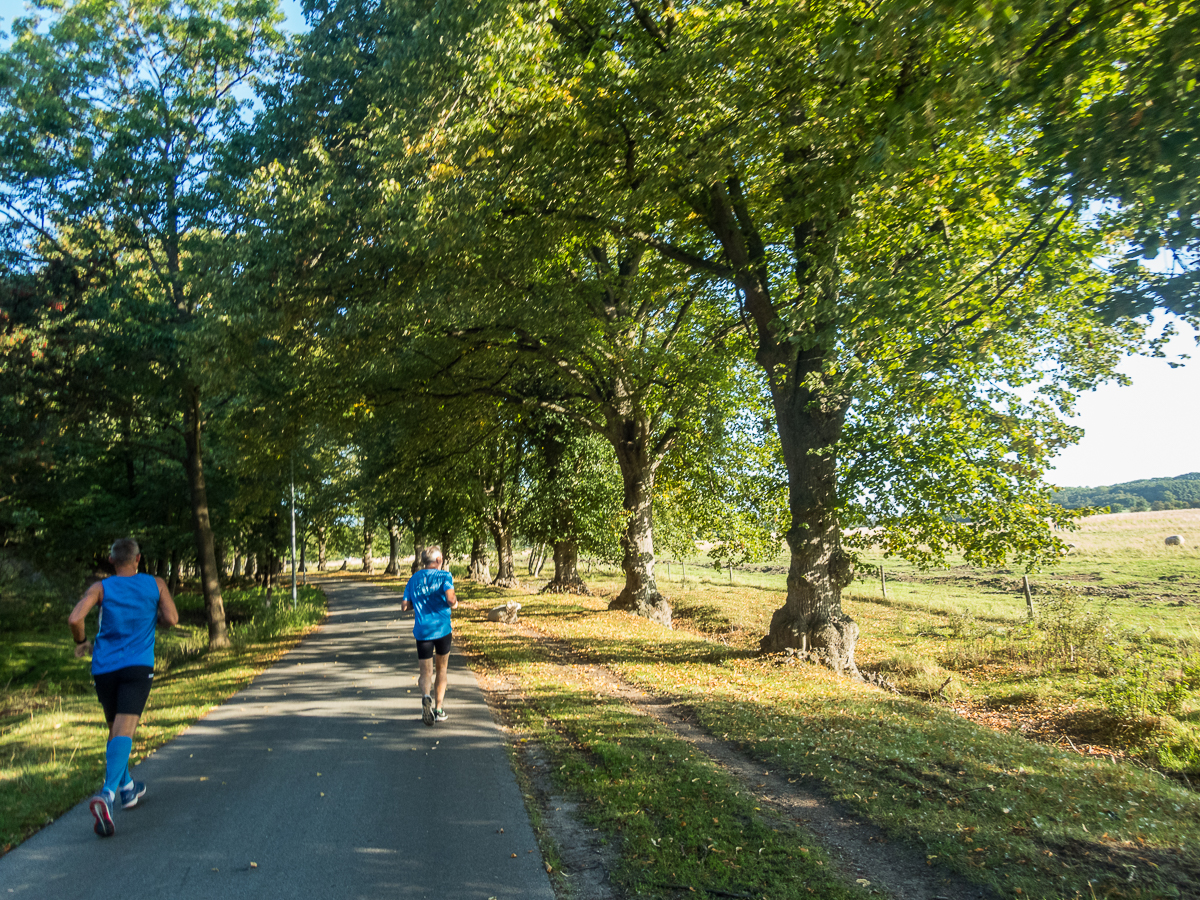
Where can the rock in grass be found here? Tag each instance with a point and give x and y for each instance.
(506, 613)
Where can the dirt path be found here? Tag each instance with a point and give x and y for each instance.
(860, 850)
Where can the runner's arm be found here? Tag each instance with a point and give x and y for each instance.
(451, 599)
(78, 616)
(168, 615)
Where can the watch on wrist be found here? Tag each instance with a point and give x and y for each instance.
(82, 640)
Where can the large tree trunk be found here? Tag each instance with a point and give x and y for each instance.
(811, 620)
(393, 566)
(566, 570)
(237, 564)
(447, 549)
(251, 565)
(640, 594)
(368, 562)
(214, 603)
(506, 574)
(479, 570)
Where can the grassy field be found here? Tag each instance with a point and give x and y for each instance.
(1027, 756)
(52, 732)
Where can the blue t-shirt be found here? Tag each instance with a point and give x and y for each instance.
(426, 591)
(128, 614)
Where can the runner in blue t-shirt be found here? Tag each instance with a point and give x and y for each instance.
(430, 594)
(122, 665)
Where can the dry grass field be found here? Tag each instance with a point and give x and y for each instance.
(1114, 535)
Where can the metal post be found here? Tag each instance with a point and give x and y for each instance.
(293, 473)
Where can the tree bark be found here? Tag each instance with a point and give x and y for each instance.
(322, 561)
(251, 565)
(237, 564)
(173, 581)
(447, 549)
(418, 549)
(393, 566)
(506, 574)
(214, 603)
(811, 620)
(368, 562)
(479, 570)
(640, 594)
(566, 570)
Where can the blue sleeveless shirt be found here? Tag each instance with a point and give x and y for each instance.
(128, 614)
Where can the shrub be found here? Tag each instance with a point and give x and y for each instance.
(1074, 633)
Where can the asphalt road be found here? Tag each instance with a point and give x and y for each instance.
(319, 780)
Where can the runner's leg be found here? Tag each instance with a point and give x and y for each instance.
(442, 662)
(425, 679)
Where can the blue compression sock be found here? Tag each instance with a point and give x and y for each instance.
(117, 763)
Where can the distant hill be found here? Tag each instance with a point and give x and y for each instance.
(1182, 492)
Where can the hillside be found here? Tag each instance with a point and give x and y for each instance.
(1181, 492)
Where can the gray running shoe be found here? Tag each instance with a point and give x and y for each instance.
(427, 710)
(100, 805)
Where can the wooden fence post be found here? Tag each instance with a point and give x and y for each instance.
(1028, 595)
(883, 582)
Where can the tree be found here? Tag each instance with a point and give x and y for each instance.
(121, 124)
(862, 179)
(610, 334)
(573, 505)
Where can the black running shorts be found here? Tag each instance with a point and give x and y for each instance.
(125, 691)
(441, 646)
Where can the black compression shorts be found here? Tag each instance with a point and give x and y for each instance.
(124, 691)
(440, 646)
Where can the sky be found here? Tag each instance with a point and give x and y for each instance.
(1149, 429)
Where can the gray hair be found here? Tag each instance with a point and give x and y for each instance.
(431, 554)
(124, 551)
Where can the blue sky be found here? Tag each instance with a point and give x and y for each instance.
(1149, 429)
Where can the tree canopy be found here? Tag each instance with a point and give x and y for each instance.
(822, 272)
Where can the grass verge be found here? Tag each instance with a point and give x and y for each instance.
(680, 823)
(52, 732)
(1027, 819)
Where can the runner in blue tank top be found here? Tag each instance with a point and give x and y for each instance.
(430, 594)
(122, 665)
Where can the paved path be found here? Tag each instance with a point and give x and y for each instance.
(322, 774)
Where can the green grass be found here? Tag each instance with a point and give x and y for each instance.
(52, 732)
(990, 804)
(1113, 655)
(679, 822)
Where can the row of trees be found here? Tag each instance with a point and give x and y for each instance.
(827, 272)
(1181, 492)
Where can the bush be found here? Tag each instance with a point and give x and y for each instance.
(1075, 634)
(1144, 691)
